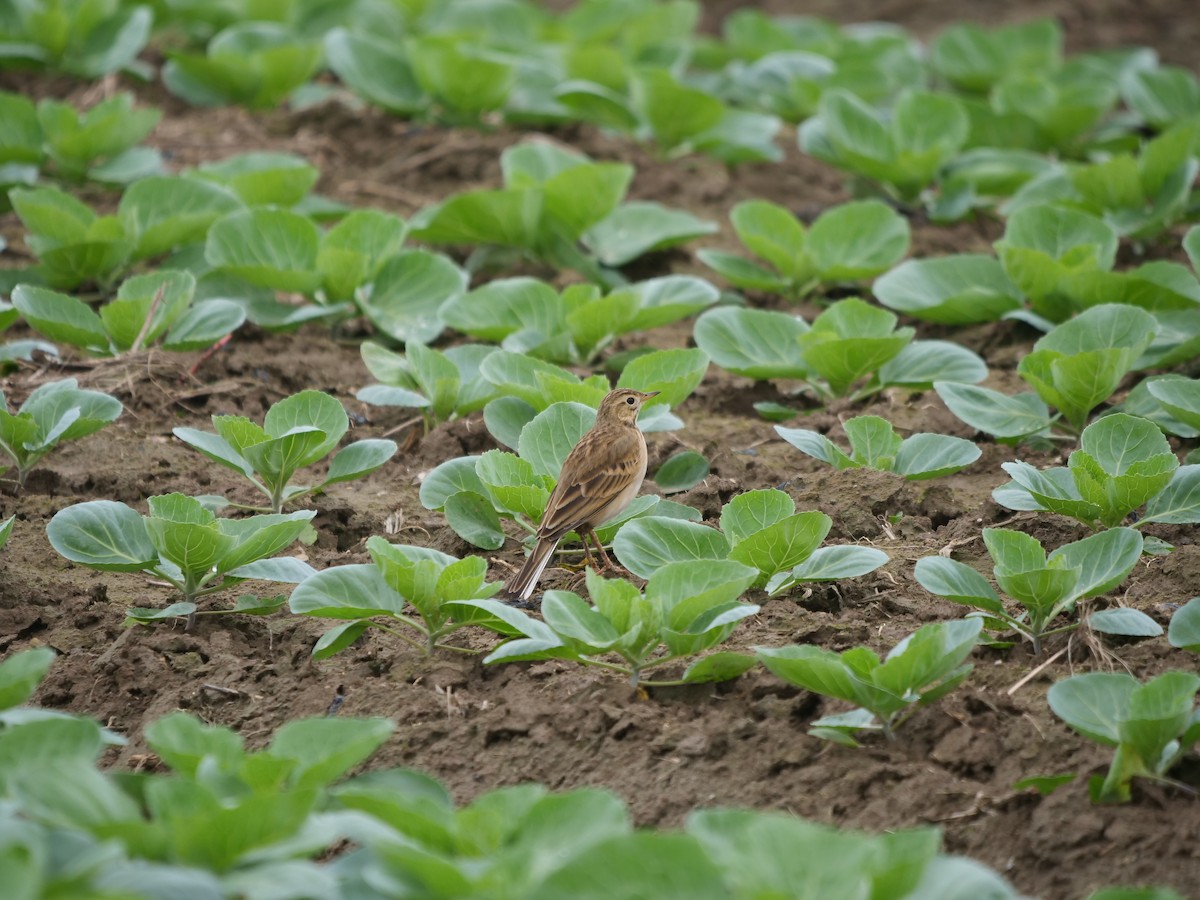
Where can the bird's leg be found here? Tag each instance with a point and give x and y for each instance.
(607, 565)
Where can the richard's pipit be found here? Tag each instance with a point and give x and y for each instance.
(599, 478)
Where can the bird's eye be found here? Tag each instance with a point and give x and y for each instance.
(630, 400)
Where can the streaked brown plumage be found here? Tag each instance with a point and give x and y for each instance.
(599, 478)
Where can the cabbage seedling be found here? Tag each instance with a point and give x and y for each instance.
(253, 63)
(148, 309)
(1151, 725)
(54, 413)
(851, 349)
(923, 667)
(1123, 463)
(851, 242)
(96, 144)
(88, 41)
(1073, 368)
(901, 154)
(443, 385)
(1045, 586)
(760, 529)
(297, 431)
(686, 609)
(539, 213)
(378, 595)
(184, 544)
(526, 315)
(874, 444)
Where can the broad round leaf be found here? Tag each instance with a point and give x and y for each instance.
(359, 459)
(474, 519)
(1093, 703)
(927, 455)
(759, 344)
(646, 544)
(1124, 622)
(857, 240)
(448, 479)
(271, 248)
(681, 472)
(953, 290)
(1184, 630)
(102, 534)
(346, 592)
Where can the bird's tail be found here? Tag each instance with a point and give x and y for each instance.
(522, 584)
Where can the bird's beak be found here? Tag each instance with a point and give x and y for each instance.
(650, 394)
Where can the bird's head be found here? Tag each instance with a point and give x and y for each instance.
(622, 405)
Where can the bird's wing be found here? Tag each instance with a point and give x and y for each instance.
(596, 472)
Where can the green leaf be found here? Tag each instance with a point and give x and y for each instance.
(652, 864)
(270, 248)
(463, 80)
(646, 544)
(61, 318)
(681, 472)
(21, 673)
(373, 69)
(474, 519)
(785, 544)
(674, 112)
(752, 511)
(1162, 95)
(1184, 629)
(326, 748)
(673, 373)
(961, 289)
(409, 293)
(1045, 785)
(359, 459)
(1124, 622)
(254, 63)
(352, 251)
(957, 582)
(448, 479)
(857, 240)
(102, 534)
(183, 742)
(849, 340)
(830, 564)
(505, 306)
(814, 669)
(167, 211)
(1179, 501)
(552, 434)
(308, 409)
(346, 592)
(641, 227)
(758, 344)
(1180, 397)
(263, 179)
(1092, 704)
(505, 417)
(723, 666)
(1003, 416)
(338, 638)
(771, 232)
(923, 456)
(509, 218)
(204, 324)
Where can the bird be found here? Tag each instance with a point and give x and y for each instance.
(599, 479)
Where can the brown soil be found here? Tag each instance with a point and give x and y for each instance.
(477, 727)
